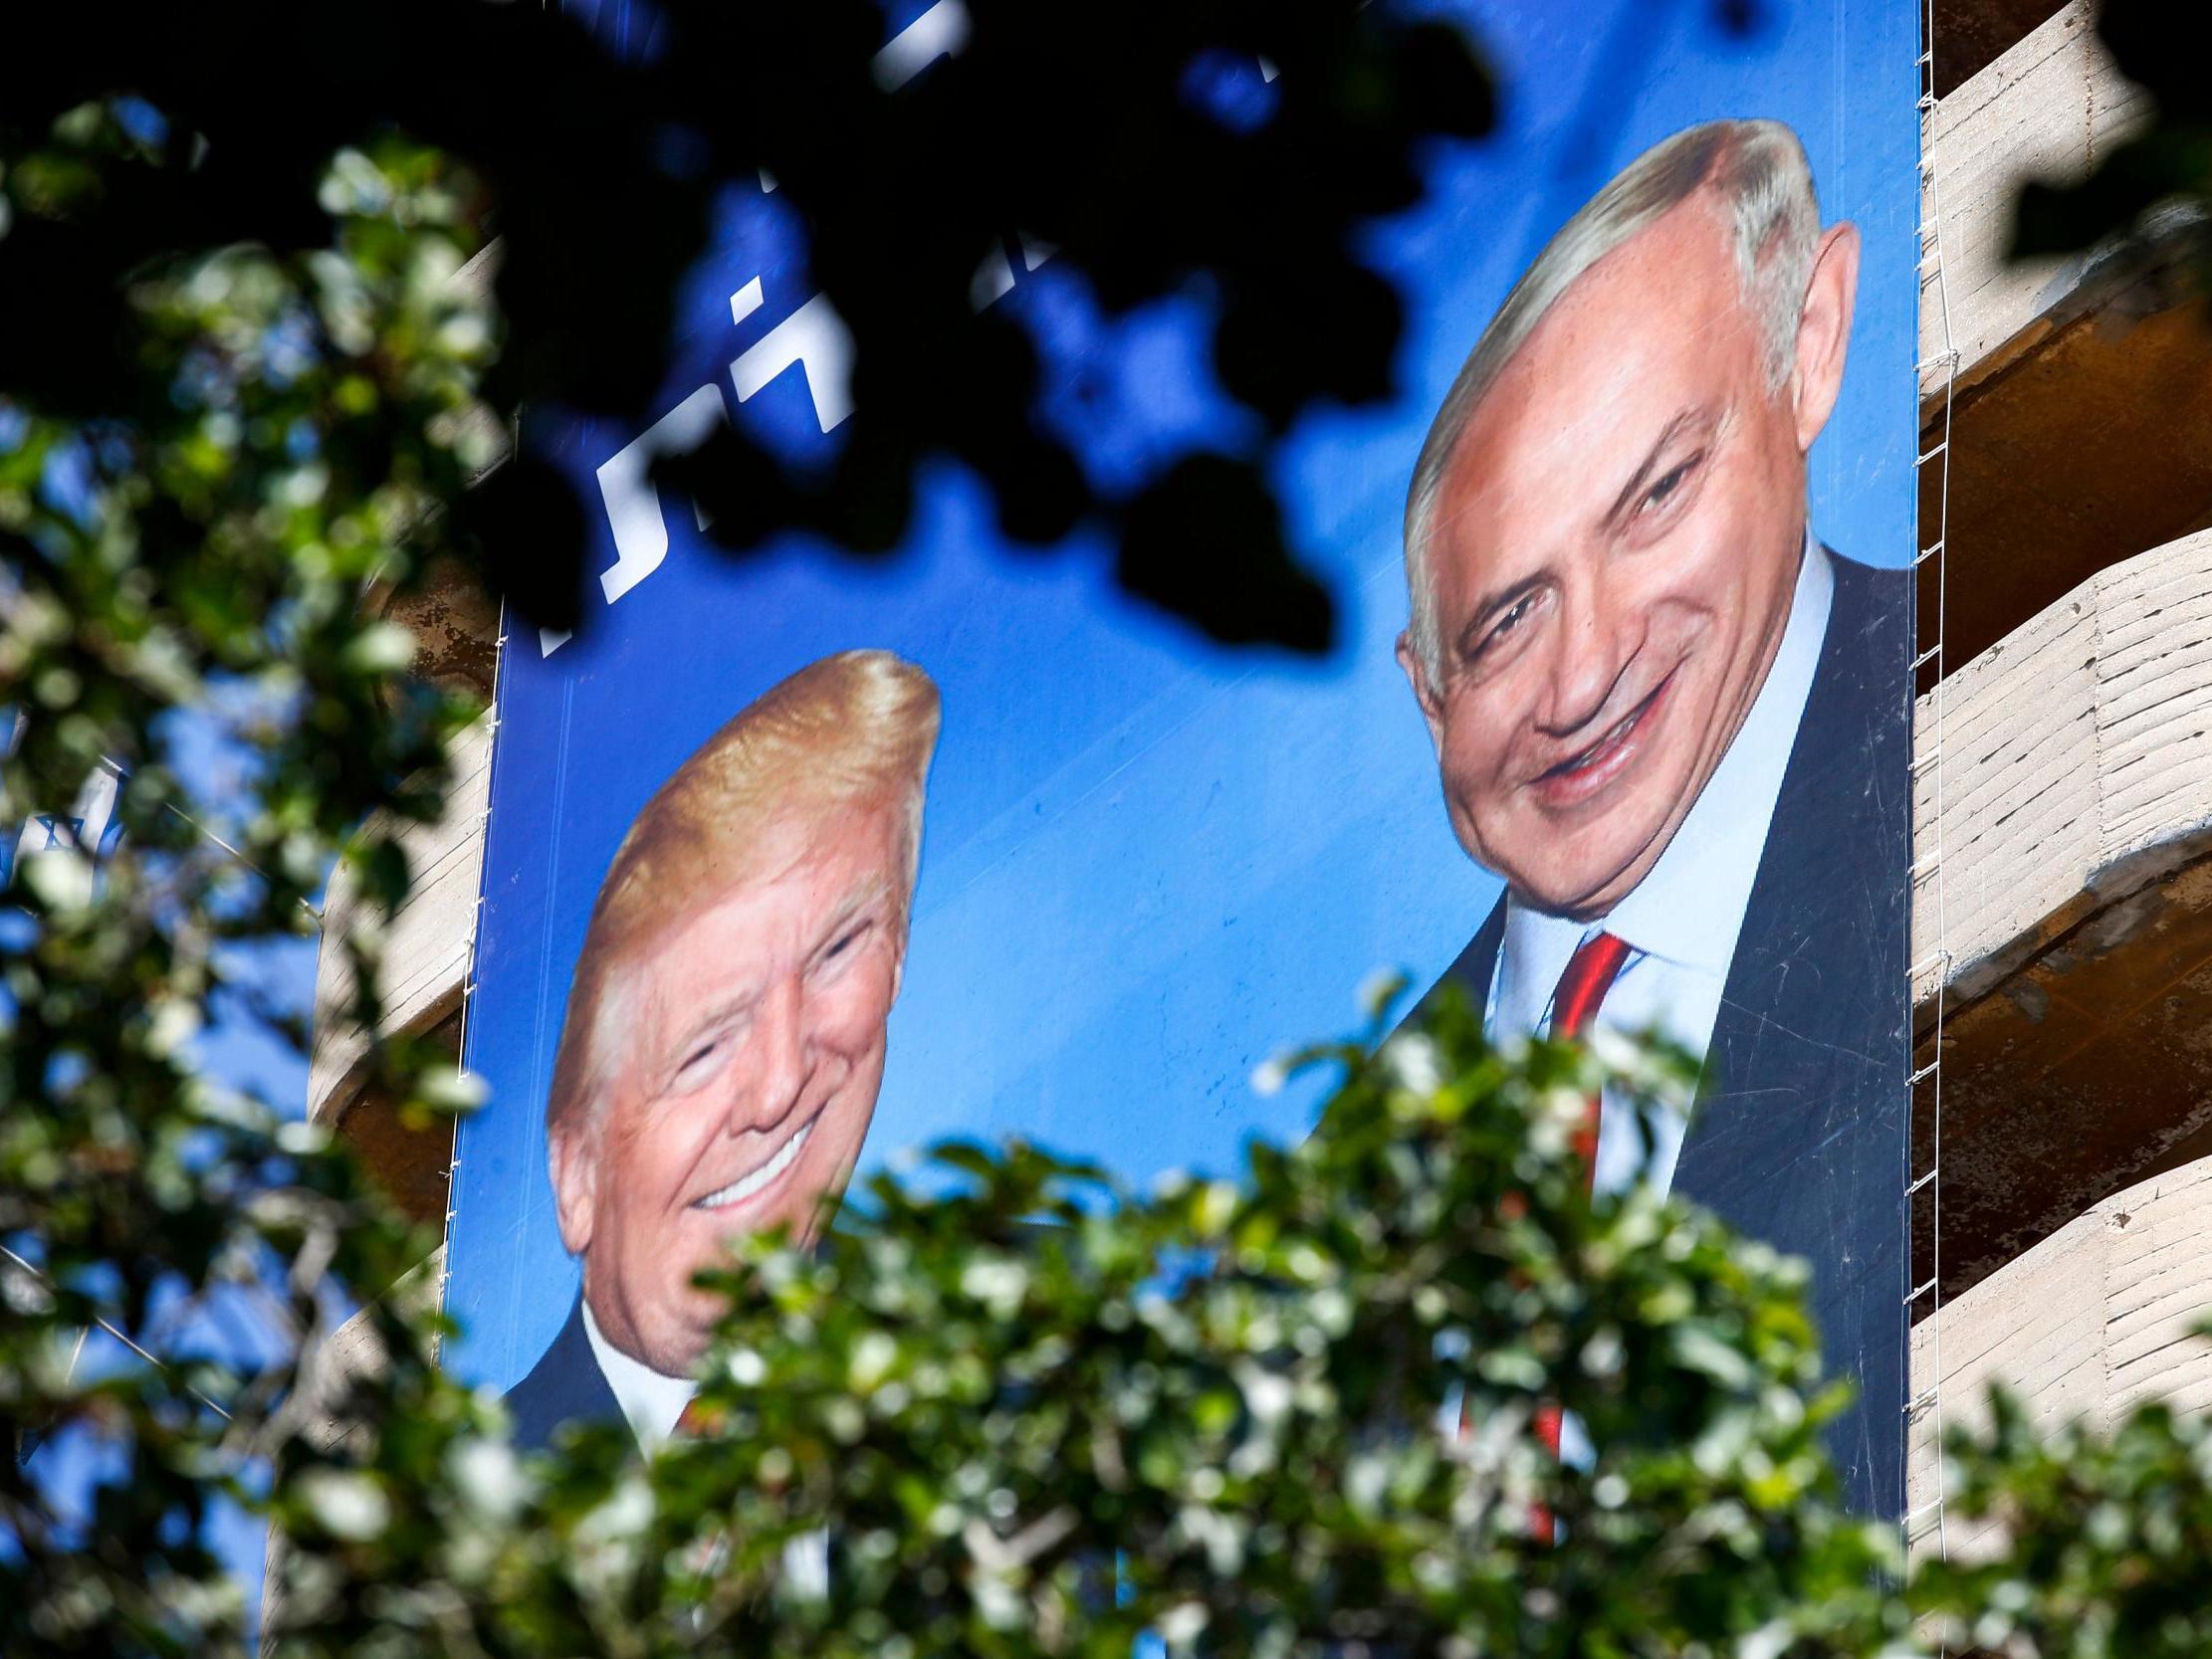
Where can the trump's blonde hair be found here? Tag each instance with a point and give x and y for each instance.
(1757, 171)
(853, 730)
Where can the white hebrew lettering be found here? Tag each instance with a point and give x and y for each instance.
(993, 280)
(633, 504)
(816, 338)
(938, 33)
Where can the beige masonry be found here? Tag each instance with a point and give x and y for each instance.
(2092, 1321)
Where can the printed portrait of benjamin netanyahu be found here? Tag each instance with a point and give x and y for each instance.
(1675, 722)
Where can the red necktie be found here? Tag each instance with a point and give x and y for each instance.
(1573, 1007)
(1589, 974)
(698, 1421)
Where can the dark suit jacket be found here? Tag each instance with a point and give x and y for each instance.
(1799, 1135)
(564, 1386)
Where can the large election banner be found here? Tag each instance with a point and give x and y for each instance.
(792, 866)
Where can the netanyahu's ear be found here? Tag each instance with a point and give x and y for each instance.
(1417, 676)
(1823, 331)
(573, 1159)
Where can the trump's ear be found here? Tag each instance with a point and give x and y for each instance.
(1823, 331)
(571, 1159)
(1417, 676)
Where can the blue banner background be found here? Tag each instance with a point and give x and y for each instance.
(1149, 862)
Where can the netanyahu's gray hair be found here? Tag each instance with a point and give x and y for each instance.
(1758, 170)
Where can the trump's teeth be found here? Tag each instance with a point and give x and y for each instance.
(746, 1185)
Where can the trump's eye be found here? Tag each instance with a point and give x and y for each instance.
(699, 1063)
(843, 946)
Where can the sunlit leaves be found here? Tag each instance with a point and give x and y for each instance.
(191, 558)
(1032, 1414)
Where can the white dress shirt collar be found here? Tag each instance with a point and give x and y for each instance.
(652, 1404)
(1690, 909)
(650, 1401)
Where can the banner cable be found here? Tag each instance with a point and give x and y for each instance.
(483, 832)
(1928, 1521)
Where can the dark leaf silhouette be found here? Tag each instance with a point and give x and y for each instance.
(1225, 142)
(2149, 195)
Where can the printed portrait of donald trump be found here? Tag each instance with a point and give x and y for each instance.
(724, 1034)
(1675, 722)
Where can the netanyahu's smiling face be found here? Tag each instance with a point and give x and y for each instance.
(749, 1048)
(1613, 553)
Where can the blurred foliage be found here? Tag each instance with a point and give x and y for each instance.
(244, 381)
(2148, 198)
(279, 430)
(1019, 1410)
(2104, 1543)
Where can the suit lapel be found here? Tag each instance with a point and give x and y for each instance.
(1820, 960)
(1799, 1137)
(1474, 967)
(564, 1386)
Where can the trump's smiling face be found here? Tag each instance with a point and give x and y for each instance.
(1612, 557)
(750, 1048)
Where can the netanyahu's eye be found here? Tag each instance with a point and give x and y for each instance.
(1515, 614)
(1499, 637)
(1670, 482)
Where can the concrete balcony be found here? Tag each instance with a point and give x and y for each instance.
(426, 952)
(2081, 418)
(2075, 898)
(2092, 1323)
